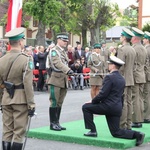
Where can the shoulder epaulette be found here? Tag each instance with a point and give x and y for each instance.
(25, 54)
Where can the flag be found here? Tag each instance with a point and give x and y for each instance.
(14, 14)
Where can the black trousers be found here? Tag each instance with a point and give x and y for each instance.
(40, 83)
(113, 121)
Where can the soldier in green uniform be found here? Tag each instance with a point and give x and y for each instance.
(97, 69)
(17, 98)
(127, 54)
(139, 78)
(146, 91)
(58, 80)
(106, 53)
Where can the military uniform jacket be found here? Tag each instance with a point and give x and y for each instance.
(105, 52)
(20, 72)
(147, 68)
(59, 64)
(127, 54)
(110, 95)
(140, 62)
(96, 62)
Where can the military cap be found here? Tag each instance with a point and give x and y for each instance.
(115, 60)
(127, 33)
(63, 36)
(147, 35)
(15, 34)
(137, 32)
(97, 45)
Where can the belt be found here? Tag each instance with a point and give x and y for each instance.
(56, 71)
(21, 86)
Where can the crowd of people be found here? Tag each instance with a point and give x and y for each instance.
(119, 80)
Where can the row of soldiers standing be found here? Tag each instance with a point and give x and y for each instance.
(136, 71)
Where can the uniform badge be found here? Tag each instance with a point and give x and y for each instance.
(31, 65)
(53, 53)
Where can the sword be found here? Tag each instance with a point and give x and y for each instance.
(27, 131)
(89, 74)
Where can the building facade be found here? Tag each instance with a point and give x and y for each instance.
(143, 13)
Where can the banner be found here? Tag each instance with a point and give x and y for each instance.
(14, 14)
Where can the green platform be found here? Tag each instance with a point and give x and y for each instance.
(75, 131)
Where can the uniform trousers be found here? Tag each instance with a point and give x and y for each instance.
(112, 120)
(138, 105)
(15, 120)
(126, 117)
(146, 94)
(57, 96)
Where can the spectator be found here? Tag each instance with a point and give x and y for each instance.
(113, 51)
(79, 52)
(70, 54)
(35, 57)
(87, 54)
(78, 78)
(42, 56)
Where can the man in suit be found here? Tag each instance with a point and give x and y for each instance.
(58, 80)
(79, 52)
(139, 78)
(109, 103)
(127, 54)
(42, 56)
(16, 69)
(146, 91)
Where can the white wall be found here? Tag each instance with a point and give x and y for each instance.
(145, 12)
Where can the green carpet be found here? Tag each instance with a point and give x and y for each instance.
(75, 131)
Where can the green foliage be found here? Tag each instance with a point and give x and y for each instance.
(3, 20)
(129, 17)
(146, 27)
(42, 10)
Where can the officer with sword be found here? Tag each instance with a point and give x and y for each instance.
(58, 81)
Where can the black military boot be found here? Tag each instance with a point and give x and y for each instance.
(6, 145)
(53, 119)
(17, 146)
(58, 116)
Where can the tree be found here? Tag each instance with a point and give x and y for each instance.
(130, 16)
(101, 16)
(43, 11)
(95, 16)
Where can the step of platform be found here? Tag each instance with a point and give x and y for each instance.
(75, 131)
